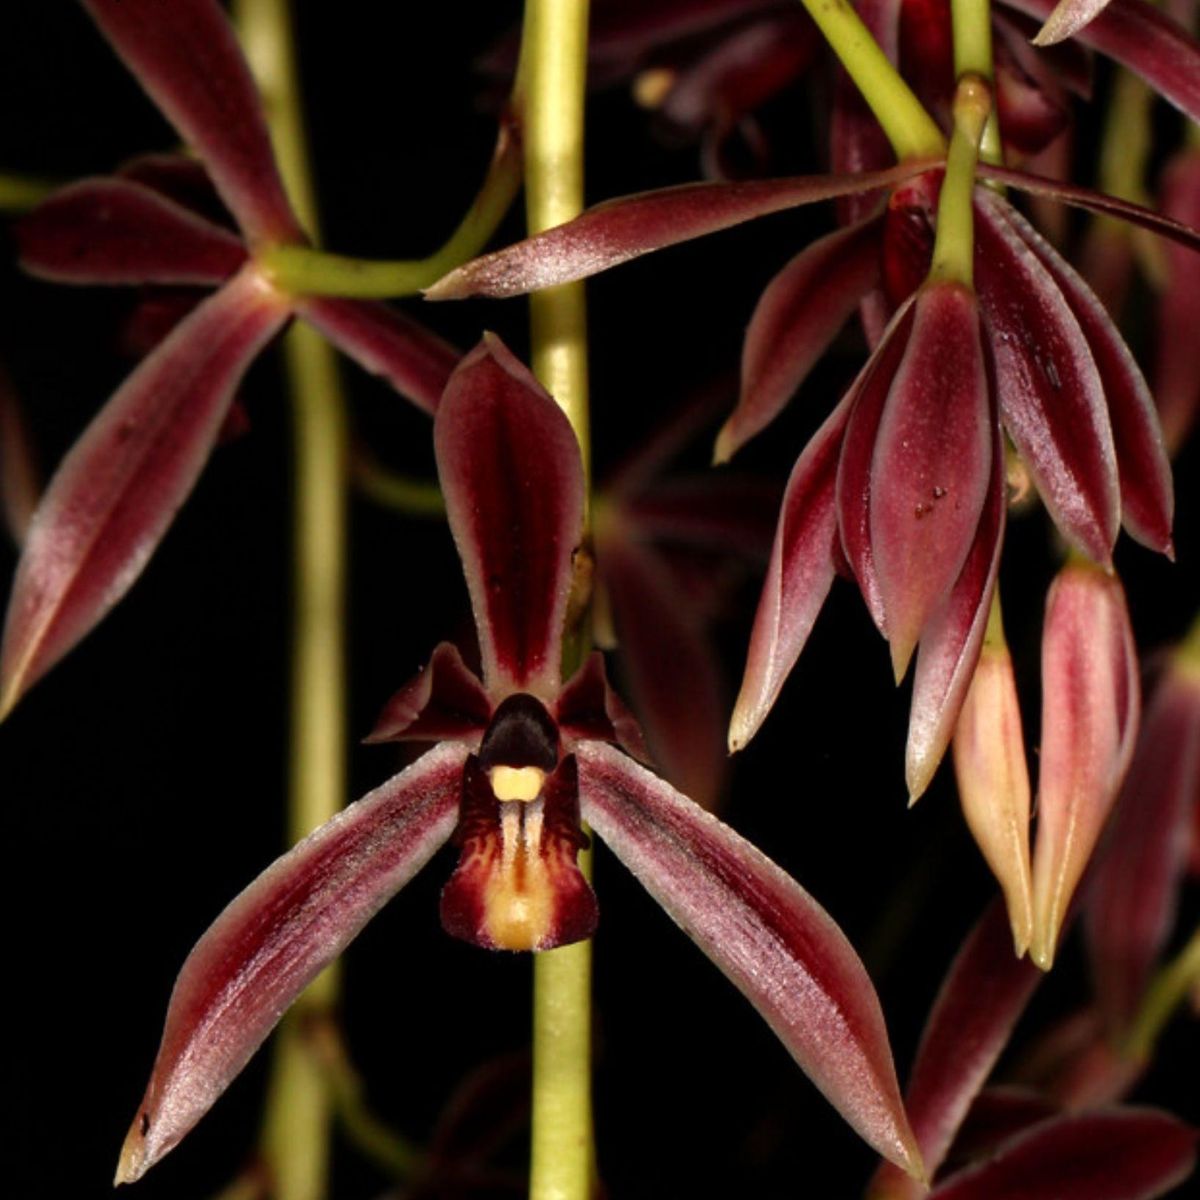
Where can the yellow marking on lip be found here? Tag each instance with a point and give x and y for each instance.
(517, 783)
(520, 899)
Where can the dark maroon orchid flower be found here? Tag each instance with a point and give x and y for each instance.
(522, 759)
(115, 494)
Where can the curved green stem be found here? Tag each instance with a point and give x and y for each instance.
(1166, 992)
(912, 132)
(19, 193)
(954, 247)
(414, 497)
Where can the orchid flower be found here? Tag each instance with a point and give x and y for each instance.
(522, 759)
(116, 492)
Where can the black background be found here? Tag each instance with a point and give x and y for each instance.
(143, 781)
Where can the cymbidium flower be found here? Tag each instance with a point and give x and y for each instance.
(117, 490)
(521, 760)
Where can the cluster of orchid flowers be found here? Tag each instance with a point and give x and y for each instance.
(993, 369)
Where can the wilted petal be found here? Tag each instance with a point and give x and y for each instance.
(1123, 1154)
(618, 230)
(189, 61)
(798, 579)
(1051, 396)
(292, 921)
(513, 481)
(415, 361)
(1067, 19)
(1147, 494)
(115, 231)
(993, 783)
(931, 464)
(20, 485)
(588, 709)
(1090, 703)
(984, 993)
(118, 489)
(773, 941)
(799, 314)
(445, 701)
(1133, 894)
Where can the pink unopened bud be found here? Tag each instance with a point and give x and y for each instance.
(1090, 708)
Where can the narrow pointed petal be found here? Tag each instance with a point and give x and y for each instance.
(772, 940)
(951, 640)
(117, 491)
(384, 342)
(20, 479)
(619, 230)
(1144, 39)
(1121, 1154)
(1067, 19)
(115, 231)
(993, 784)
(289, 924)
(1147, 492)
(1051, 396)
(931, 464)
(1090, 705)
(513, 481)
(445, 701)
(190, 63)
(799, 576)
(1134, 892)
(670, 667)
(588, 709)
(984, 993)
(799, 314)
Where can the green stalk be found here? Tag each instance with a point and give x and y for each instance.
(954, 246)
(20, 193)
(296, 1133)
(971, 27)
(554, 64)
(912, 132)
(1166, 992)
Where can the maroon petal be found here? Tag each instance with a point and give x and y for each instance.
(1145, 40)
(984, 993)
(951, 639)
(669, 664)
(291, 922)
(116, 492)
(772, 940)
(589, 710)
(931, 464)
(997, 1115)
(444, 702)
(180, 178)
(415, 361)
(20, 482)
(798, 578)
(513, 482)
(115, 231)
(1147, 494)
(1122, 1154)
(1050, 392)
(618, 230)
(1067, 19)
(1133, 894)
(794, 322)
(190, 63)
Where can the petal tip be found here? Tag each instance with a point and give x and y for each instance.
(449, 287)
(132, 1164)
(725, 445)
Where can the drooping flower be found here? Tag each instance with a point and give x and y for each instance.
(521, 760)
(118, 489)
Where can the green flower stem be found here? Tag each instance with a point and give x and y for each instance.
(1127, 141)
(1189, 649)
(1166, 992)
(971, 25)
(414, 497)
(912, 132)
(554, 62)
(20, 193)
(954, 247)
(296, 1133)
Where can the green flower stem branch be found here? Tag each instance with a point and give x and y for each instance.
(971, 29)
(554, 63)
(1167, 991)
(296, 1133)
(413, 497)
(954, 247)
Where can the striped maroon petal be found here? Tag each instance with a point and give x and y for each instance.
(290, 923)
(1050, 393)
(768, 936)
(984, 993)
(799, 576)
(619, 230)
(1133, 894)
(931, 464)
(117, 491)
(1090, 709)
(384, 342)
(445, 701)
(1067, 19)
(1121, 1154)
(191, 65)
(1147, 492)
(797, 317)
(513, 481)
(119, 232)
